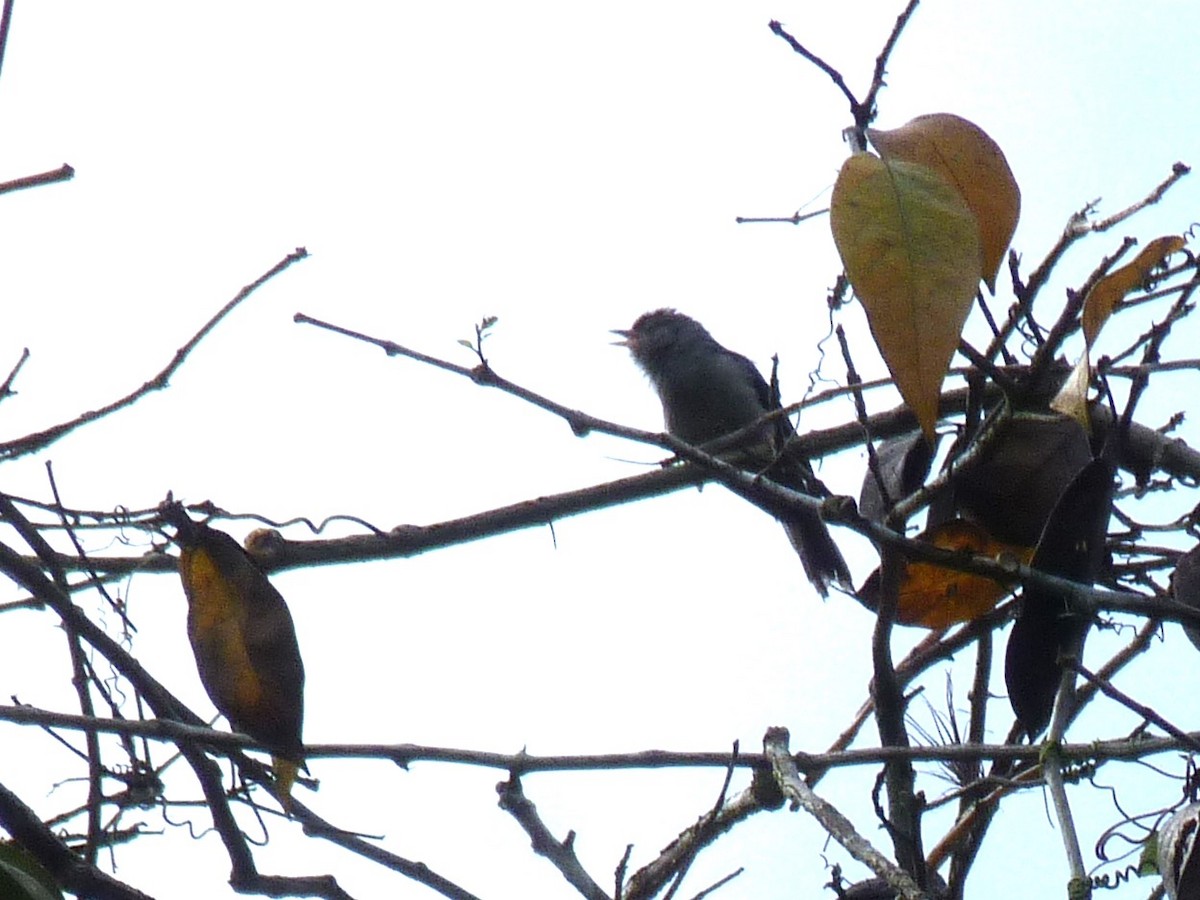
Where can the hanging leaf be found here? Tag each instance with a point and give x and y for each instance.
(1047, 629)
(1101, 301)
(910, 246)
(966, 157)
(904, 462)
(1106, 295)
(932, 596)
(245, 643)
(1027, 464)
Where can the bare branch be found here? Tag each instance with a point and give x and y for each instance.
(835, 76)
(79, 877)
(6, 390)
(62, 173)
(775, 745)
(881, 61)
(31, 443)
(560, 853)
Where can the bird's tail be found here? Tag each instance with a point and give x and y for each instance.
(823, 561)
(286, 771)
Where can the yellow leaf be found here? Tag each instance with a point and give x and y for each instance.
(1106, 295)
(967, 158)
(911, 250)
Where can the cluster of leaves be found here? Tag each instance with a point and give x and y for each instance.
(1030, 478)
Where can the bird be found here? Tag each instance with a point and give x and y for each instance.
(707, 392)
(245, 643)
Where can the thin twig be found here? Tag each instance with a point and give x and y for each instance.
(878, 78)
(39, 440)
(1052, 771)
(5, 23)
(834, 75)
(1178, 171)
(6, 387)
(794, 219)
(171, 731)
(1109, 690)
(62, 173)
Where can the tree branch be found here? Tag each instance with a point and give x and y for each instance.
(560, 853)
(79, 877)
(39, 440)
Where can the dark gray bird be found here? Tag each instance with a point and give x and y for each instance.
(707, 392)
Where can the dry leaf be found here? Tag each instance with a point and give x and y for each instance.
(935, 597)
(1100, 303)
(966, 157)
(1110, 290)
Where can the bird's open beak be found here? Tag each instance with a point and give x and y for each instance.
(624, 334)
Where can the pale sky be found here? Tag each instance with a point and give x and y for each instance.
(564, 167)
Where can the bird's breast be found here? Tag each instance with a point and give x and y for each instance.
(217, 622)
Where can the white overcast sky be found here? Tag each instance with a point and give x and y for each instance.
(564, 167)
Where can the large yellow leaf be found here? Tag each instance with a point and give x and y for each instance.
(966, 157)
(911, 250)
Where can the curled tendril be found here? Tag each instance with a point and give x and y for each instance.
(1116, 879)
(1146, 822)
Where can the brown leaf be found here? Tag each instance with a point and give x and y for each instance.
(904, 462)
(1106, 295)
(966, 157)
(910, 246)
(1020, 474)
(1100, 303)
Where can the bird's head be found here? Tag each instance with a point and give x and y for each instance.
(658, 334)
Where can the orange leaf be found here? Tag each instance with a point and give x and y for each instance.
(967, 158)
(935, 597)
(910, 246)
(1106, 295)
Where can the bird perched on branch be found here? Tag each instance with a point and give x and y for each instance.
(245, 643)
(708, 392)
